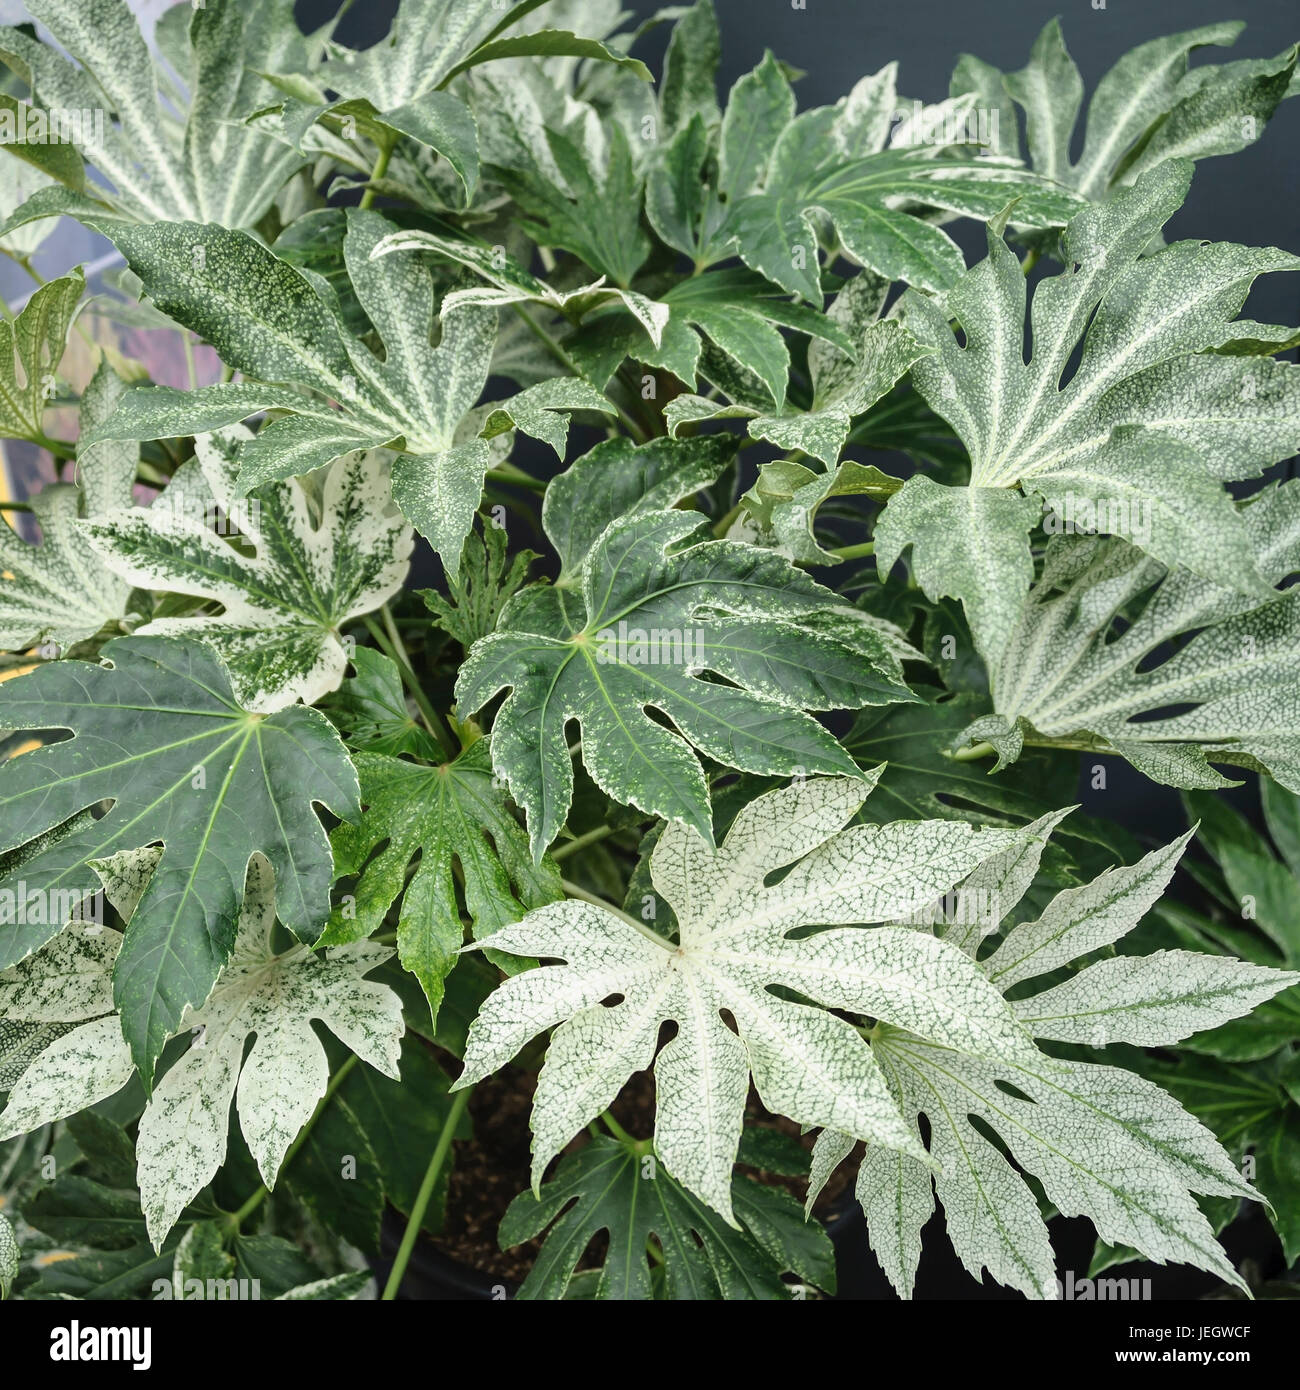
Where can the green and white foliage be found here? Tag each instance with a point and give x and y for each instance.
(776, 172)
(1146, 109)
(437, 817)
(210, 781)
(207, 165)
(232, 291)
(397, 89)
(57, 592)
(1064, 674)
(652, 606)
(320, 556)
(182, 1137)
(326, 806)
(1168, 401)
(734, 944)
(1103, 1142)
(31, 348)
(623, 1190)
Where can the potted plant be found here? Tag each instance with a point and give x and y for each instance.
(506, 798)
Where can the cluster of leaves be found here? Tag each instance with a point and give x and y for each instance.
(620, 805)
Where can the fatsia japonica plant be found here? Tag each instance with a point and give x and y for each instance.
(456, 777)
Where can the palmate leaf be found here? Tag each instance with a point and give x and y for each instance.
(57, 591)
(316, 563)
(211, 168)
(433, 816)
(1062, 675)
(159, 733)
(652, 606)
(1146, 109)
(182, 1135)
(232, 291)
(1155, 416)
(397, 87)
(370, 710)
(778, 171)
(632, 1197)
(806, 1062)
(1103, 1142)
(481, 587)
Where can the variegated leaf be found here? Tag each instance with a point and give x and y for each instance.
(735, 944)
(318, 561)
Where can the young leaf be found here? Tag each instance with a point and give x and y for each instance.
(315, 565)
(159, 733)
(31, 347)
(806, 1062)
(435, 815)
(783, 170)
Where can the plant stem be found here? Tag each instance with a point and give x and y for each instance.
(853, 552)
(237, 1218)
(60, 448)
(556, 349)
(396, 653)
(421, 1203)
(591, 837)
(380, 169)
(615, 1128)
(6, 506)
(1030, 261)
(189, 359)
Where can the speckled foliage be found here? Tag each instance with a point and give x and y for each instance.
(779, 569)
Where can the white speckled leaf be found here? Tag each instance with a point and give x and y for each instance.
(1064, 676)
(1104, 1143)
(312, 568)
(182, 1137)
(1084, 919)
(1151, 1001)
(58, 591)
(806, 1062)
(1148, 103)
(1117, 447)
(230, 289)
(970, 543)
(213, 166)
(9, 1254)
